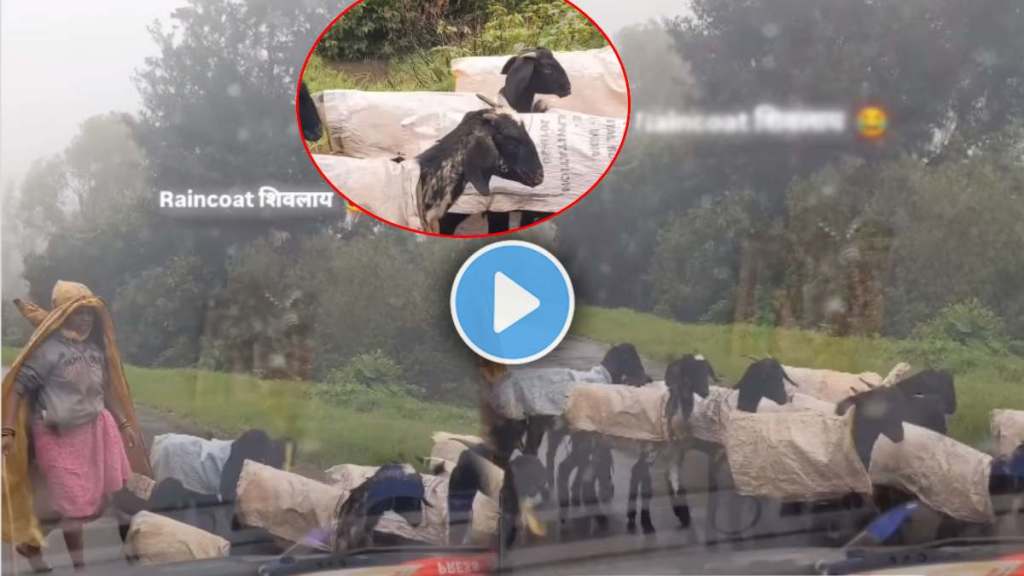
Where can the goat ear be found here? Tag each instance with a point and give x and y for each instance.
(518, 77)
(481, 159)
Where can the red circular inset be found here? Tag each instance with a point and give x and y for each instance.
(618, 150)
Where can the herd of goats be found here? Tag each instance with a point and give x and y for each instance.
(530, 497)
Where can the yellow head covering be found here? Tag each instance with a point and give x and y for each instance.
(19, 523)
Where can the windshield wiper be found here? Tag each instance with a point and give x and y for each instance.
(946, 550)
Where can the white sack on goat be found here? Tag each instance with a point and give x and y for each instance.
(156, 539)
(196, 462)
(444, 454)
(541, 391)
(829, 385)
(622, 411)
(898, 372)
(797, 403)
(484, 524)
(948, 476)
(598, 84)
(792, 455)
(449, 447)
(287, 505)
(434, 527)
(1007, 428)
(575, 149)
(386, 189)
(355, 474)
(364, 124)
(710, 416)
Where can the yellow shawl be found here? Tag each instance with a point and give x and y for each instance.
(19, 522)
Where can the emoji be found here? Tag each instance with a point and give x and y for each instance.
(872, 122)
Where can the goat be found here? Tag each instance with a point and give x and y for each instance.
(391, 488)
(489, 142)
(533, 71)
(309, 119)
(930, 398)
(764, 378)
(211, 512)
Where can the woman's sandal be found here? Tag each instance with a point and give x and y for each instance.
(35, 558)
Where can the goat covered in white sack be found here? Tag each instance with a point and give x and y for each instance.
(418, 193)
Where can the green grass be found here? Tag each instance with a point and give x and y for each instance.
(983, 380)
(325, 435)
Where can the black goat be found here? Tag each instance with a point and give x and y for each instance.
(876, 412)
(309, 120)
(390, 488)
(489, 142)
(931, 397)
(533, 71)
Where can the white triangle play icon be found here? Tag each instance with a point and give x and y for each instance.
(512, 302)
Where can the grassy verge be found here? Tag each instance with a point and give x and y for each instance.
(984, 381)
(399, 429)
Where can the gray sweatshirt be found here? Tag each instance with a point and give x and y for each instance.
(64, 381)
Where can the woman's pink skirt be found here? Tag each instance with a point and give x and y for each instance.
(81, 465)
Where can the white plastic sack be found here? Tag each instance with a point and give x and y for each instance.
(574, 148)
(484, 524)
(898, 372)
(793, 455)
(1007, 428)
(948, 476)
(352, 475)
(598, 84)
(385, 188)
(156, 539)
(449, 447)
(364, 124)
(196, 462)
(541, 391)
(287, 505)
(622, 411)
(829, 385)
(710, 416)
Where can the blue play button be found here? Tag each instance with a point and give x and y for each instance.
(512, 302)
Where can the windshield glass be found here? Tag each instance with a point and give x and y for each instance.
(763, 304)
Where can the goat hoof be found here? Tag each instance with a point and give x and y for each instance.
(631, 526)
(683, 514)
(645, 522)
(602, 522)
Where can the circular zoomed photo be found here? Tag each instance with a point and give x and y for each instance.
(463, 118)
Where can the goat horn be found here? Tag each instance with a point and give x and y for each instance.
(487, 100)
(868, 384)
(788, 379)
(752, 358)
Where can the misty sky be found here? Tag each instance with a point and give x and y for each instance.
(63, 61)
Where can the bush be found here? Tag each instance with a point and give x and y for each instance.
(968, 323)
(392, 28)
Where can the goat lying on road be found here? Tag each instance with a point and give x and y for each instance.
(392, 488)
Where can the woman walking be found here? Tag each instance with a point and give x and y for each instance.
(67, 405)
